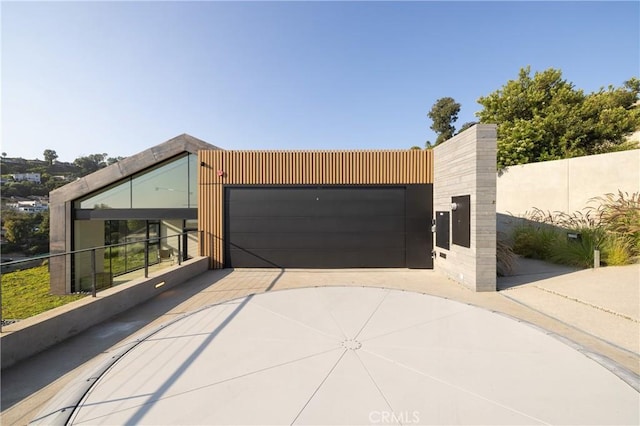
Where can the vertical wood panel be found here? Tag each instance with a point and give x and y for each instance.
(325, 167)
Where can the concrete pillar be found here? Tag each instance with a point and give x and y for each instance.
(466, 165)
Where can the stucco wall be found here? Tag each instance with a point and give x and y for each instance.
(466, 165)
(566, 185)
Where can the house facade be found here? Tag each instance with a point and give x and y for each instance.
(152, 194)
(29, 206)
(28, 177)
(289, 209)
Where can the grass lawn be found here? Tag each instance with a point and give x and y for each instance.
(26, 293)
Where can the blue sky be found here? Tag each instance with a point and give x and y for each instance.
(119, 77)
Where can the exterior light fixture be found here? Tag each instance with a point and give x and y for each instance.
(454, 206)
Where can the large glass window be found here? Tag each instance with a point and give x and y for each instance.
(166, 186)
(169, 185)
(115, 197)
(193, 181)
(125, 236)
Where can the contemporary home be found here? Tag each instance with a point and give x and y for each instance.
(287, 209)
(150, 195)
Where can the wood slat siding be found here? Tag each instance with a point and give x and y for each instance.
(295, 168)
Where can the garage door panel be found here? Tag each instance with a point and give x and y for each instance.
(275, 194)
(314, 208)
(325, 227)
(328, 258)
(318, 240)
(319, 224)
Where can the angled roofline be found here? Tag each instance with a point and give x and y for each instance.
(129, 166)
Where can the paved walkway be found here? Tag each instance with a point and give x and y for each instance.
(28, 387)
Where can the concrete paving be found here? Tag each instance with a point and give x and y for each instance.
(604, 301)
(589, 362)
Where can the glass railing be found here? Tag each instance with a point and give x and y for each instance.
(25, 283)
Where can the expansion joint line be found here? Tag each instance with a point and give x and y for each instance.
(573, 299)
(375, 383)
(382, 299)
(319, 386)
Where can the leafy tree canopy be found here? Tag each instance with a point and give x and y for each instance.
(50, 156)
(545, 117)
(443, 114)
(90, 163)
(29, 232)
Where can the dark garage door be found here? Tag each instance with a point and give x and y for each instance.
(328, 227)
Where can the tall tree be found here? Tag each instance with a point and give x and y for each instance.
(50, 156)
(443, 114)
(545, 117)
(90, 163)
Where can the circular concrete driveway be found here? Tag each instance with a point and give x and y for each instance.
(345, 355)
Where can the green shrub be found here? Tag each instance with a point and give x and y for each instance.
(621, 216)
(613, 227)
(534, 241)
(577, 252)
(505, 257)
(617, 250)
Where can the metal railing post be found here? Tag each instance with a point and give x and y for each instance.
(179, 249)
(146, 259)
(93, 273)
(1, 317)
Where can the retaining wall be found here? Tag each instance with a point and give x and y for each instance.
(32, 335)
(566, 185)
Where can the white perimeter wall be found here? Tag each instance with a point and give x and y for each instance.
(566, 185)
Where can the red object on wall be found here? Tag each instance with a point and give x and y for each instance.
(220, 173)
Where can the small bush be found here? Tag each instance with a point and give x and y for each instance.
(579, 252)
(505, 257)
(617, 250)
(534, 242)
(613, 227)
(621, 216)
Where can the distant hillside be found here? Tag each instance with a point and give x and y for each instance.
(10, 166)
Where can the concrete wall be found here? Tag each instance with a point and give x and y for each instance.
(466, 165)
(566, 185)
(32, 335)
